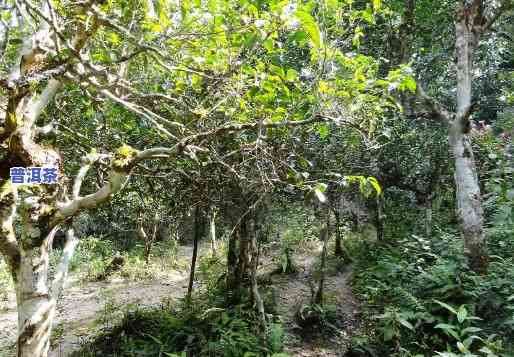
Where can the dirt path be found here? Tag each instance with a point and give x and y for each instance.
(293, 291)
(84, 304)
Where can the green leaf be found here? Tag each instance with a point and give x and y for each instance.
(446, 306)
(113, 38)
(323, 131)
(462, 314)
(367, 15)
(408, 83)
(374, 182)
(445, 327)
(155, 339)
(406, 324)
(268, 45)
(487, 351)
(291, 75)
(322, 186)
(320, 195)
(388, 334)
(471, 329)
(468, 341)
(462, 348)
(449, 329)
(310, 26)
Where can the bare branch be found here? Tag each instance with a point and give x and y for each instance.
(120, 174)
(62, 268)
(145, 113)
(249, 126)
(88, 161)
(47, 129)
(433, 104)
(39, 102)
(115, 183)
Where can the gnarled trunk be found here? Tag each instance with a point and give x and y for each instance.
(469, 205)
(232, 283)
(36, 298)
(338, 248)
(243, 262)
(254, 232)
(35, 306)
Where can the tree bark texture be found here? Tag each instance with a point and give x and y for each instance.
(469, 205)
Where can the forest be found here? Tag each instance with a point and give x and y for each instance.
(257, 178)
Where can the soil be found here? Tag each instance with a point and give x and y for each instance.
(294, 291)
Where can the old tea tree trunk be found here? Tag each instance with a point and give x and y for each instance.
(469, 204)
(38, 208)
(31, 214)
(473, 19)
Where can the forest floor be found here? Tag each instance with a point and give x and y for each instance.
(294, 291)
(88, 307)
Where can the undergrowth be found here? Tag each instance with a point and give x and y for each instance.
(421, 299)
(188, 329)
(204, 326)
(95, 254)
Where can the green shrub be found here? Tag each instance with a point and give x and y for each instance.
(191, 329)
(414, 292)
(276, 337)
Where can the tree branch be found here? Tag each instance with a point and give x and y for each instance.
(121, 167)
(505, 6)
(88, 161)
(433, 104)
(62, 268)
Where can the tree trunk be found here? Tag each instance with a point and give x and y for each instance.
(404, 51)
(198, 230)
(212, 231)
(36, 299)
(324, 235)
(379, 219)
(231, 280)
(35, 306)
(469, 205)
(243, 260)
(148, 247)
(253, 278)
(338, 250)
